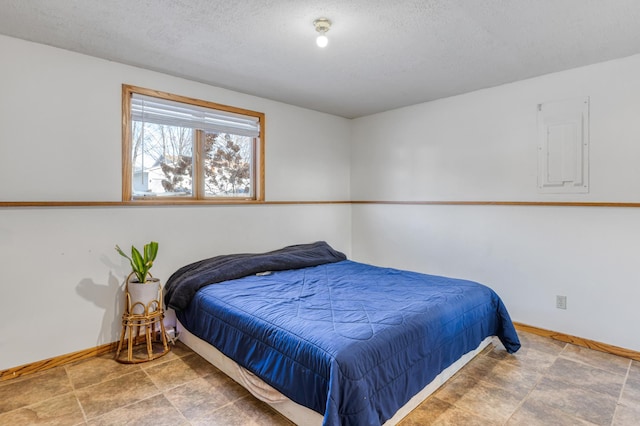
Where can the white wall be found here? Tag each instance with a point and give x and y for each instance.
(482, 146)
(60, 277)
(60, 128)
(60, 140)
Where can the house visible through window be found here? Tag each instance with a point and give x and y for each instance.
(187, 149)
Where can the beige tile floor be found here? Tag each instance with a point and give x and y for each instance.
(545, 383)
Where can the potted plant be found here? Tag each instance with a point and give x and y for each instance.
(143, 290)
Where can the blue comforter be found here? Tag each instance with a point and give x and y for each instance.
(351, 341)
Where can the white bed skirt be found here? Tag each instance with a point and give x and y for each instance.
(295, 412)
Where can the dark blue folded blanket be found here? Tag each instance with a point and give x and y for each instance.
(186, 281)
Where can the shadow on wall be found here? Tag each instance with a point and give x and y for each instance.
(110, 298)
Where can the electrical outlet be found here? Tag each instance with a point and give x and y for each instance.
(561, 302)
(172, 335)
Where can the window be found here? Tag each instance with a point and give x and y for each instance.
(182, 149)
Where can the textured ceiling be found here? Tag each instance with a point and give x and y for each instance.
(382, 54)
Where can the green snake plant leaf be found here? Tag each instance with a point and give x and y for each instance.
(123, 254)
(139, 264)
(140, 268)
(150, 252)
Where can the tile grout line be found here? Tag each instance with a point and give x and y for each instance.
(463, 409)
(176, 408)
(230, 403)
(75, 394)
(492, 385)
(624, 384)
(133, 402)
(122, 407)
(524, 399)
(159, 392)
(586, 364)
(171, 389)
(607, 371)
(162, 392)
(541, 376)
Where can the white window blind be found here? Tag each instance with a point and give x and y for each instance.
(163, 111)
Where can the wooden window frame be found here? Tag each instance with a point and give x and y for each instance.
(198, 175)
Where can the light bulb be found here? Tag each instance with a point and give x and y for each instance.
(322, 40)
(322, 25)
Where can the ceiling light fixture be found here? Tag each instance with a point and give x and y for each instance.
(322, 26)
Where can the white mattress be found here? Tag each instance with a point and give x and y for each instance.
(295, 412)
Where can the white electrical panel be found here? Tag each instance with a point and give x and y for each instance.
(563, 146)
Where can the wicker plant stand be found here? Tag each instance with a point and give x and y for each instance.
(143, 334)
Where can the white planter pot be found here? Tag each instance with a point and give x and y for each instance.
(144, 298)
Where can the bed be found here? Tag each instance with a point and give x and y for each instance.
(346, 343)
